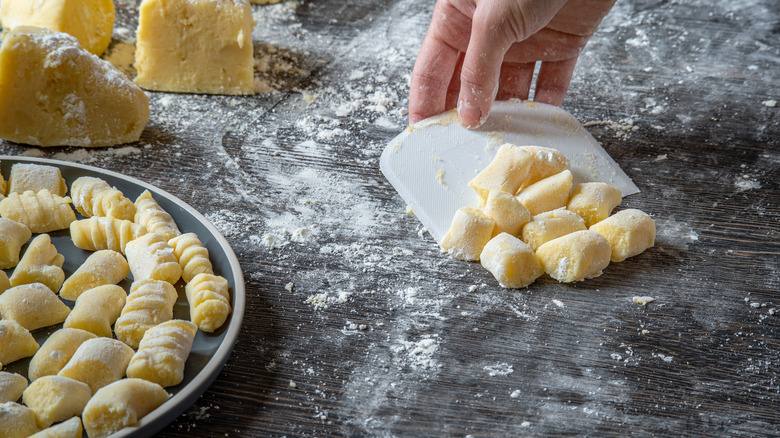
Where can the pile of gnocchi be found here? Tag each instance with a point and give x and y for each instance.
(531, 222)
(108, 365)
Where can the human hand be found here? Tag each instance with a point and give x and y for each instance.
(476, 51)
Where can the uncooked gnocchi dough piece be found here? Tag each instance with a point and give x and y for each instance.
(470, 230)
(17, 421)
(511, 261)
(5, 284)
(41, 263)
(96, 310)
(544, 162)
(56, 352)
(12, 386)
(2, 184)
(101, 267)
(192, 256)
(121, 404)
(209, 301)
(195, 46)
(67, 429)
(56, 398)
(163, 352)
(92, 105)
(16, 340)
(98, 233)
(33, 306)
(149, 303)
(156, 220)
(94, 197)
(36, 177)
(98, 362)
(547, 194)
(507, 171)
(629, 233)
(41, 212)
(594, 201)
(550, 225)
(575, 256)
(508, 213)
(151, 258)
(12, 236)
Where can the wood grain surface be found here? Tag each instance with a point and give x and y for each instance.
(357, 325)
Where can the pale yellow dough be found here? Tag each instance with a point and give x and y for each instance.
(41, 212)
(511, 261)
(56, 398)
(36, 177)
(544, 162)
(98, 362)
(17, 421)
(56, 352)
(149, 303)
(209, 300)
(156, 220)
(4, 283)
(549, 225)
(101, 267)
(163, 352)
(151, 258)
(575, 256)
(95, 197)
(97, 233)
(33, 306)
(41, 263)
(96, 310)
(12, 236)
(506, 172)
(16, 340)
(469, 232)
(507, 212)
(547, 194)
(12, 386)
(67, 429)
(629, 233)
(192, 256)
(594, 201)
(121, 404)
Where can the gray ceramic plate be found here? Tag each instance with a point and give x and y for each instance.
(210, 351)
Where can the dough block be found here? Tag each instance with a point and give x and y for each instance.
(469, 232)
(41, 212)
(98, 362)
(16, 340)
(56, 398)
(544, 162)
(55, 93)
(96, 310)
(156, 220)
(149, 303)
(629, 233)
(506, 172)
(121, 404)
(17, 421)
(95, 197)
(575, 256)
(97, 233)
(12, 236)
(56, 352)
(36, 177)
(163, 352)
(549, 225)
(192, 256)
(195, 46)
(12, 386)
(67, 429)
(507, 212)
(33, 306)
(547, 194)
(511, 261)
(594, 201)
(209, 301)
(5, 284)
(151, 258)
(41, 263)
(101, 267)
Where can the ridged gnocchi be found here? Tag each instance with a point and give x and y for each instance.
(13, 236)
(41, 212)
(209, 300)
(16, 340)
(163, 352)
(96, 310)
(156, 220)
(151, 258)
(33, 306)
(36, 177)
(98, 233)
(192, 256)
(101, 267)
(56, 352)
(56, 398)
(98, 362)
(41, 263)
(121, 404)
(149, 303)
(94, 197)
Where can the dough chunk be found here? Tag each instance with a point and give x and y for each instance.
(192, 256)
(98, 362)
(163, 352)
(101, 267)
(98, 233)
(41, 212)
(56, 352)
(507, 212)
(33, 306)
(5, 284)
(36, 177)
(156, 220)
(17, 421)
(151, 258)
(507, 171)
(12, 236)
(209, 301)
(67, 429)
(121, 404)
(550, 225)
(575, 256)
(96, 310)
(55, 93)
(594, 201)
(195, 46)
(41, 263)
(149, 303)
(545, 162)
(629, 233)
(547, 194)
(511, 261)
(56, 398)
(94, 197)
(2, 180)
(12, 386)
(16, 340)
(91, 22)
(469, 232)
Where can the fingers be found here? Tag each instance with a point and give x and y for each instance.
(452, 92)
(553, 81)
(431, 78)
(515, 80)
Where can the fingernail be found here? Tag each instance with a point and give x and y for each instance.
(470, 116)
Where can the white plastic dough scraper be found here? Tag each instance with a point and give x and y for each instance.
(431, 163)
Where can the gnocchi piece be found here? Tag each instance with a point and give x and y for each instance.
(151, 258)
(209, 300)
(156, 220)
(149, 303)
(547, 194)
(36, 177)
(575, 256)
(41, 263)
(163, 352)
(13, 236)
(56, 352)
(98, 233)
(544, 162)
(67, 429)
(549, 225)
(4, 282)
(511, 261)
(98, 362)
(507, 212)
(17, 421)
(96, 310)
(56, 398)
(33, 306)
(16, 340)
(121, 404)
(94, 197)
(470, 230)
(594, 201)
(101, 267)
(507, 172)
(192, 256)
(41, 212)
(629, 233)
(2, 180)
(12, 386)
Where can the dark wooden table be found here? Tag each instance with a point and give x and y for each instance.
(357, 325)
